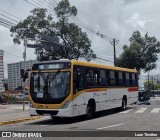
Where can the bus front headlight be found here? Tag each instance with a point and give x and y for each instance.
(65, 105)
(30, 104)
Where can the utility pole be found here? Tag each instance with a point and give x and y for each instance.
(24, 83)
(114, 49)
(148, 80)
(153, 84)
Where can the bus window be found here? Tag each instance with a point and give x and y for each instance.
(136, 79)
(112, 78)
(133, 79)
(120, 78)
(95, 78)
(127, 79)
(89, 75)
(91, 78)
(103, 78)
(78, 80)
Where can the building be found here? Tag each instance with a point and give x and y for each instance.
(14, 73)
(1, 71)
(5, 84)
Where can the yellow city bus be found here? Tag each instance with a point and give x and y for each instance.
(68, 88)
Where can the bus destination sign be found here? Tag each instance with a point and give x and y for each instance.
(51, 66)
(48, 66)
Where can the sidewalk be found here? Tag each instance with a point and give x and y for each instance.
(14, 112)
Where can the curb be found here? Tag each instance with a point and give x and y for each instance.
(19, 120)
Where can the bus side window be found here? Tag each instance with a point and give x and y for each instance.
(112, 78)
(91, 78)
(120, 78)
(116, 78)
(95, 78)
(78, 81)
(89, 75)
(130, 79)
(136, 79)
(127, 79)
(103, 78)
(133, 79)
(124, 78)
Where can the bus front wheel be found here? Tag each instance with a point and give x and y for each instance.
(91, 108)
(57, 119)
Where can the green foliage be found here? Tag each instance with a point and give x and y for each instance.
(157, 87)
(64, 9)
(148, 85)
(77, 45)
(141, 53)
(11, 98)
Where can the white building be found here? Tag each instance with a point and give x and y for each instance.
(1, 71)
(14, 73)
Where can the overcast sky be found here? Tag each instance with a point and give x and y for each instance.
(113, 18)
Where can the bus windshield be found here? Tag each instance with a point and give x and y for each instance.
(50, 85)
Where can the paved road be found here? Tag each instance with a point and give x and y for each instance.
(135, 118)
(13, 111)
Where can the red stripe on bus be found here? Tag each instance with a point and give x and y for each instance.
(92, 90)
(133, 89)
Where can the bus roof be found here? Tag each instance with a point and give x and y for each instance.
(103, 66)
(84, 63)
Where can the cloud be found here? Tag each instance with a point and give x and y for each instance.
(109, 17)
(135, 21)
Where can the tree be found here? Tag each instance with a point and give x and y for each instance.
(76, 43)
(141, 53)
(157, 86)
(148, 85)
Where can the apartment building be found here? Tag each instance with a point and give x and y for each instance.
(14, 73)
(1, 71)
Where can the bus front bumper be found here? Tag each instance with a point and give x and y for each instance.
(67, 112)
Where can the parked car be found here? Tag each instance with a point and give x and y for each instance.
(155, 93)
(3, 99)
(144, 97)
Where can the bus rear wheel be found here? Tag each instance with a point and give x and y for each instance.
(124, 104)
(91, 108)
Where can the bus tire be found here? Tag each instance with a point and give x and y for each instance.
(57, 119)
(91, 108)
(124, 104)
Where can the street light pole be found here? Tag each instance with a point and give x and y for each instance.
(24, 83)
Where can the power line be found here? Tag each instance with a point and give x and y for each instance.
(76, 20)
(5, 25)
(31, 3)
(10, 14)
(120, 46)
(13, 54)
(39, 6)
(9, 18)
(50, 2)
(104, 59)
(54, 2)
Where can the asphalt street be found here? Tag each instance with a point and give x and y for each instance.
(135, 118)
